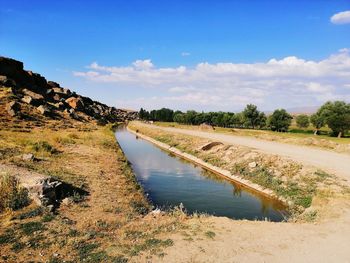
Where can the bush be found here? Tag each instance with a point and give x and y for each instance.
(43, 146)
(12, 195)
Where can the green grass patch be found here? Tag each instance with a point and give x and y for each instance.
(31, 227)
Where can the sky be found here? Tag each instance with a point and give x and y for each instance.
(201, 55)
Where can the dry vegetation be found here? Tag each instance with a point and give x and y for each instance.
(297, 136)
(111, 224)
(296, 183)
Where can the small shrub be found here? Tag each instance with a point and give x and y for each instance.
(77, 197)
(31, 227)
(139, 207)
(12, 195)
(47, 217)
(43, 146)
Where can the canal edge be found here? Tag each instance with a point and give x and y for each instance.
(217, 170)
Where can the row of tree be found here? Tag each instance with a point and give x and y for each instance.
(336, 115)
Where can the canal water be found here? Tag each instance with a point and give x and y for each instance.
(170, 181)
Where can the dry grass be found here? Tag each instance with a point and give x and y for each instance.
(12, 195)
(111, 224)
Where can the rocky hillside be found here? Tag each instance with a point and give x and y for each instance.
(29, 96)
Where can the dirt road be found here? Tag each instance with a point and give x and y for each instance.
(329, 161)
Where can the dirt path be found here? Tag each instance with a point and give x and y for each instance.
(249, 241)
(332, 162)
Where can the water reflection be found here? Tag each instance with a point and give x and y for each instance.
(170, 181)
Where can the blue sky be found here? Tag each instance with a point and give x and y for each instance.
(203, 55)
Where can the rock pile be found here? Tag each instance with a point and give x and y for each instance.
(49, 98)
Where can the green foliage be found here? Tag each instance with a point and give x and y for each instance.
(317, 120)
(251, 115)
(43, 146)
(12, 195)
(336, 115)
(31, 227)
(303, 121)
(280, 120)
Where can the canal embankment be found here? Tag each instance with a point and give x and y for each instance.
(304, 188)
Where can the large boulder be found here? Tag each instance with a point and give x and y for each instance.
(32, 94)
(75, 103)
(44, 110)
(12, 108)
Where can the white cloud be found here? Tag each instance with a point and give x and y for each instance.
(185, 54)
(341, 18)
(143, 64)
(286, 82)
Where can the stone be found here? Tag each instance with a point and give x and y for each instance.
(75, 103)
(67, 201)
(12, 108)
(32, 94)
(252, 165)
(58, 105)
(53, 84)
(57, 89)
(44, 110)
(28, 157)
(27, 99)
(57, 97)
(7, 82)
(210, 145)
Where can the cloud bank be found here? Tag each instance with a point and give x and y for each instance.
(286, 82)
(341, 18)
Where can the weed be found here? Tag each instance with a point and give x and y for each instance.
(85, 249)
(310, 216)
(32, 213)
(139, 207)
(47, 217)
(12, 195)
(210, 234)
(77, 198)
(31, 227)
(17, 246)
(43, 146)
(7, 237)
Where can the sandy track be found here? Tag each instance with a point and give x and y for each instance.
(329, 161)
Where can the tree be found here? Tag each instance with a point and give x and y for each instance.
(251, 114)
(303, 121)
(280, 120)
(317, 121)
(337, 116)
(262, 120)
(179, 117)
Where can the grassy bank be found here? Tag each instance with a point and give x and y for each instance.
(305, 188)
(110, 224)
